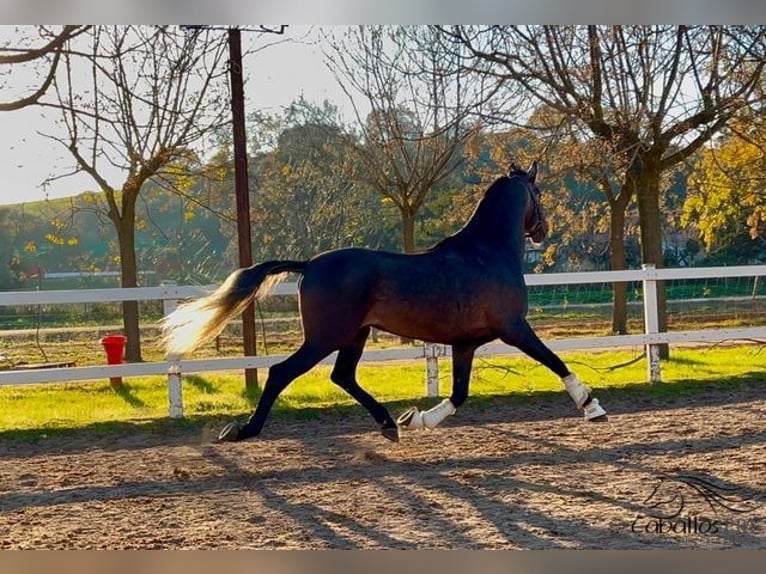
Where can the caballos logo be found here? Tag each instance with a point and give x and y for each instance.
(685, 504)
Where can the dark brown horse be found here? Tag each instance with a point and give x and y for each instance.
(465, 291)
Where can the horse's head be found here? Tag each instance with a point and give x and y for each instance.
(535, 224)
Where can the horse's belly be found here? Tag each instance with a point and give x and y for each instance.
(436, 325)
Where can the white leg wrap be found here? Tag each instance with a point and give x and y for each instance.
(593, 410)
(432, 417)
(576, 389)
(580, 394)
(414, 419)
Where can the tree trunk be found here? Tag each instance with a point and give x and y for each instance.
(648, 194)
(408, 237)
(617, 206)
(618, 263)
(129, 278)
(408, 230)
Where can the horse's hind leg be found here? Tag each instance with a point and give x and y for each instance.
(280, 375)
(522, 336)
(344, 375)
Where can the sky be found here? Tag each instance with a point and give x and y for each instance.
(274, 77)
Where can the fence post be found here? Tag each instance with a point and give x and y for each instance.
(175, 396)
(651, 322)
(168, 305)
(432, 352)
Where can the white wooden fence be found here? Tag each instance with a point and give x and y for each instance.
(170, 295)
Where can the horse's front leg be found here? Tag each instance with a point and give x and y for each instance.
(414, 419)
(523, 337)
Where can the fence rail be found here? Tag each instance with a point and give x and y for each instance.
(170, 294)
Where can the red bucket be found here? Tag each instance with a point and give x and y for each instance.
(114, 345)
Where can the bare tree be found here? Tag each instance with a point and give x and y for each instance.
(133, 101)
(653, 94)
(46, 54)
(419, 104)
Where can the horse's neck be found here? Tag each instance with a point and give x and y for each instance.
(498, 225)
(504, 246)
(495, 227)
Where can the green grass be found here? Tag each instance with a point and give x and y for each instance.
(42, 409)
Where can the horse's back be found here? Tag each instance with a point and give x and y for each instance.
(341, 269)
(384, 274)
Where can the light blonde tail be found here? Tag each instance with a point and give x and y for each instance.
(195, 323)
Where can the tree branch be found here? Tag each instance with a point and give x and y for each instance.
(55, 46)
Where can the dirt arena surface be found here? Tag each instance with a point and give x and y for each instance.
(513, 475)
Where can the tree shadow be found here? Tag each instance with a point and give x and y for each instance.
(201, 383)
(252, 395)
(124, 392)
(675, 359)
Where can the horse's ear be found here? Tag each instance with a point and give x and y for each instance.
(513, 168)
(532, 172)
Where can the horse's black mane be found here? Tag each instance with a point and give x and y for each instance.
(453, 239)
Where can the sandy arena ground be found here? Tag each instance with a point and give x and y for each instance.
(518, 475)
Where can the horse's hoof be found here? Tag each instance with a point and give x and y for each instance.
(229, 433)
(599, 419)
(391, 433)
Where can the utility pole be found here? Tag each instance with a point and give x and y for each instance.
(241, 185)
(242, 191)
